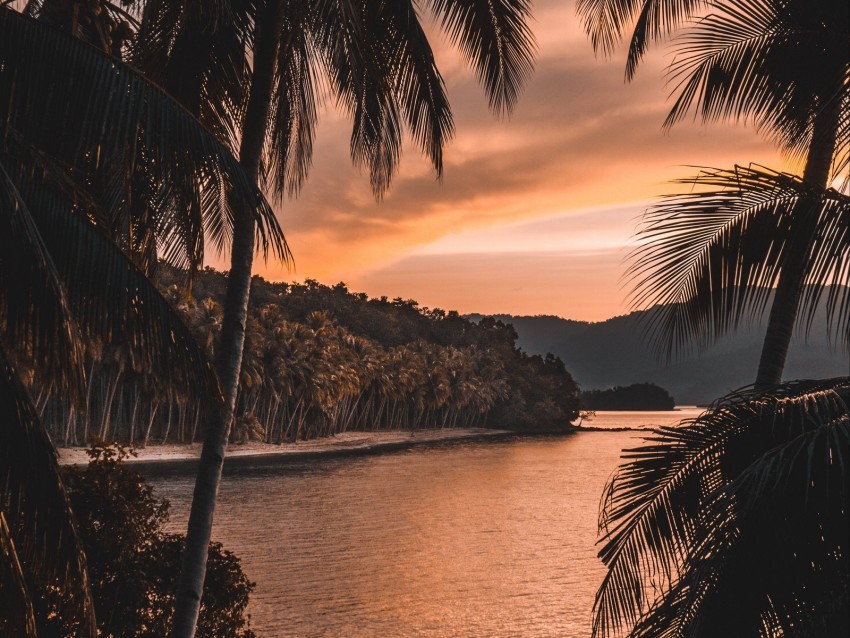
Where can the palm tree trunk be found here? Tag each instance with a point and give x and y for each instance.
(789, 289)
(106, 418)
(133, 415)
(150, 423)
(229, 360)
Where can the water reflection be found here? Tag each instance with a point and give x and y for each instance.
(480, 539)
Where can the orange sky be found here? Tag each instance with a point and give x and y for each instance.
(535, 213)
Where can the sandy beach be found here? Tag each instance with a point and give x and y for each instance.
(185, 456)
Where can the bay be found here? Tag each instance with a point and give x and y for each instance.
(481, 539)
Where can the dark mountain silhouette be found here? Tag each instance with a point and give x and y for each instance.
(614, 352)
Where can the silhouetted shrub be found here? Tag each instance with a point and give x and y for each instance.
(133, 564)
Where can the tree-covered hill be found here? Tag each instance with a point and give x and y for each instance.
(638, 396)
(321, 360)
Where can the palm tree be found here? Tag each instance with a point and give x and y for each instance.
(734, 523)
(68, 107)
(781, 64)
(382, 70)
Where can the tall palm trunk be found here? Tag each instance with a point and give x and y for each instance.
(789, 289)
(229, 359)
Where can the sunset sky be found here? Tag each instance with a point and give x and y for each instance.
(535, 213)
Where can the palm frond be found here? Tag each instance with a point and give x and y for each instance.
(606, 22)
(425, 103)
(841, 159)
(383, 71)
(362, 79)
(17, 617)
(296, 101)
(38, 514)
(107, 294)
(88, 110)
(495, 37)
(777, 64)
(771, 557)
(199, 54)
(35, 313)
(709, 258)
(738, 516)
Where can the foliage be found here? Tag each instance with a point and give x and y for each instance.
(733, 523)
(372, 58)
(637, 396)
(320, 360)
(781, 65)
(542, 395)
(709, 258)
(39, 541)
(776, 63)
(118, 149)
(133, 564)
(91, 155)
(456, 370)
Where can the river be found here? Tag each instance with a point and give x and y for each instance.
(489, 539)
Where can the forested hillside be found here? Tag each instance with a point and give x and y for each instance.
(321, 360)
(638, 396)
(614, 352)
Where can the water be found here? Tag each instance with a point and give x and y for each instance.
(489, 539)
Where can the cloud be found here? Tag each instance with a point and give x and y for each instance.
(579, 139)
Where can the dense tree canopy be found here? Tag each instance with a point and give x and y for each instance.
(637, 396)
(321, 360)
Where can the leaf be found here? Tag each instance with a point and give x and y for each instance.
(494, 36)
(46, 537)
(35, 313)
(111, 298)
(707, 260)
(702, 524)
(88, 111)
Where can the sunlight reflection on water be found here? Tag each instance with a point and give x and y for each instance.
(478, 539)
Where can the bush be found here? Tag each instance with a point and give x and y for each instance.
(134, 565)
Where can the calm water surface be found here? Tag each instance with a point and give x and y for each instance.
(490, 539)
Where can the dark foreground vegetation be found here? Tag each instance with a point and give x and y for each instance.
(735, 523)
(638, 396)
(321, 360)
(746, 508)
(133, 564)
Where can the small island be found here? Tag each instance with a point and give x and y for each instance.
(637, 396)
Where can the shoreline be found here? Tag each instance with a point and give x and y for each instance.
(179, 458)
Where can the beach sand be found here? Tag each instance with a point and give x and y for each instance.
(185, 456)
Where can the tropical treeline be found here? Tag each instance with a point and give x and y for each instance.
(318, 361)
(637, 396)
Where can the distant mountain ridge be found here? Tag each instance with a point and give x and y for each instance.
(613, 352)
